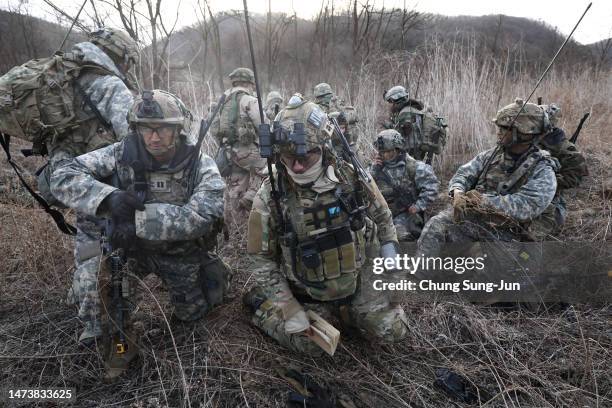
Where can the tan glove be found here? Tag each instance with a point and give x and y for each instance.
(294, 316)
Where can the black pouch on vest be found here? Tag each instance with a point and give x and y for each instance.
(310, 255)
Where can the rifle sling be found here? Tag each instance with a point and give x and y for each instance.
(57, 216)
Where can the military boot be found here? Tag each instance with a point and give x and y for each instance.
(91, 334)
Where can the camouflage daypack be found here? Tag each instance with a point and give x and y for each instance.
(422, 128)
(37, 103)
(37, 98)
(226, 124)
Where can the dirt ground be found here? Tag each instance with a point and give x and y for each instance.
(557, 357)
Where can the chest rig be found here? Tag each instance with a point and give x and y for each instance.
(397, 184)
(135, 173)
(504, 175)
(321, 251)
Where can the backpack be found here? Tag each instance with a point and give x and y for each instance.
(37, 98)
(37, 105)
(225, 125)
(429, 128)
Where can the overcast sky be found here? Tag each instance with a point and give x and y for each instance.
(596, 26)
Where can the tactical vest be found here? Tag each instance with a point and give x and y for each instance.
(166, 187)
(405, 192)
(321, 254)
(503, 176)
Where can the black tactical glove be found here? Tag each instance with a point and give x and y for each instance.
(124, 235)
(122, 205)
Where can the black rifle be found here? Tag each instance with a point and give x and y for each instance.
(357, 211)
(405, 197)
(579, 128)
(117, 262)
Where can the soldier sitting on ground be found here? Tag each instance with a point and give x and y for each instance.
(500, 193)
(165, 199)
(408, 185)
(327, 221)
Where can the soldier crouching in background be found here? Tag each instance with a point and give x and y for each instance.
(408, 185)
(165, 199)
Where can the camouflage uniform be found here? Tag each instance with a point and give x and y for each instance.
(183, 203)
(326, 258)
(405, 182)
(408, 115)
(112, 97)
(241, 142)
(347, 120)
(274, 103)
(573, 168)
(325, 98)
(513, 192)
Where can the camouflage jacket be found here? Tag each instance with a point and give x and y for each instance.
(406, 182)
(317, 229)
(109, 94)
(529, 196)
(573, 163)
(183, 202)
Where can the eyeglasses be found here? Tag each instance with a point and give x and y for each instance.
(162, 131)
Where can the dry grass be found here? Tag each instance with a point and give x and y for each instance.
(555, 358)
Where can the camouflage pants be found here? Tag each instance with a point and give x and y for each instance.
(408, 226)
(84, 290)
(236, 209)
(243, 182)
(368, 312)
(195, 284)
(548, 224)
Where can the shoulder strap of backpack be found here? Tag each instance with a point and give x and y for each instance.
(57, 216)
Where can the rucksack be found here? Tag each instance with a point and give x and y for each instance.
(37, 98)
(429, 128)
(37, 105)
(225, 125)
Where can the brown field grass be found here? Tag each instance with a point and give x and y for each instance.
(553, 358)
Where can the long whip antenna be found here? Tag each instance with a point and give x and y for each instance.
(74, 20)
(485, 167)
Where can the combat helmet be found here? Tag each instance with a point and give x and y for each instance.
(554, 113)
(531, 122)
(316, 127)
(160, 107)
(322, 89)
(274, 96)
(117, 44)
(242, 75)
(389, 139)
(396, 94)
